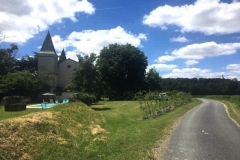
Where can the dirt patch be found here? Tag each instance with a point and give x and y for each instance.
(79, 125)
(35, 117)
(96, 129)
(102, 138)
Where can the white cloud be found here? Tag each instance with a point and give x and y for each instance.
(206, 16)
(191, 62)
(164, 28)
(142, 36)
(162, 67)
(193, 73)
(234, 69)
(21, 21)
(92, 41)
(200, 51)
(181, 39)
(165, 58)
(233, 72)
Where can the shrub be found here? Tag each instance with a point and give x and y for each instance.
(12, 100)
(15, 107)
(139, 95)
(86, 98)
(14, 103)
(154, 104)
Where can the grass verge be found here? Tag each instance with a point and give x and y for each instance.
(233, 109)
(108, 130)
(6, 115)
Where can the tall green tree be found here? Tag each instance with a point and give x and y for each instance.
(23, 83)
(8, 59)
(153, 80)
(86, 78)
(27, 63)
(122, 68)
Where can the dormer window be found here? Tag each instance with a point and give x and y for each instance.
(69, 66)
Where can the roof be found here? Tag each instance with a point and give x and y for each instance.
(62, 56)
(47, 46)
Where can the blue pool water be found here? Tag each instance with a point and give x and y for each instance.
(49, 105)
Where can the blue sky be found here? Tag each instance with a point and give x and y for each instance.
(180, 38)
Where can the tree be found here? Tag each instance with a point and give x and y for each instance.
(8, 59)
(86, 78)
(23, 83)
(27, 63)
(122, 68)
(153, 80)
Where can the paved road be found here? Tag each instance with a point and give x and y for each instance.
(205, 133)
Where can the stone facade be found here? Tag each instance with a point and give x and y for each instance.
(59, 68)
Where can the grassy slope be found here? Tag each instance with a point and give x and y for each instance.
(113, 130)
(6, 115)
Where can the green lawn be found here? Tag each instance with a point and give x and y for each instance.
(108, 130)
(6, 115)
(131, 137)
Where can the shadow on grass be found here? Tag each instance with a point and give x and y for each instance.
(100, 109)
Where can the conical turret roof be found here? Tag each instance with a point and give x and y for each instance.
(62, 56)
(47, 46)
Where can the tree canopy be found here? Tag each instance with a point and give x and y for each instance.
(122, 69)
(202, 86)
(8, 59)
(86, 78)
(23, 83)
(153, 80)
(27, 63)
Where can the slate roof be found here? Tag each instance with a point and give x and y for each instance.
(62, 56)
(47, 46)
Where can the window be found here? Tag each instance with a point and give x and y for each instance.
(69, 66)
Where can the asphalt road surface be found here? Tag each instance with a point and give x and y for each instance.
(205, 133)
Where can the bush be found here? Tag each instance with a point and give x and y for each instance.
(12, 100)
(86, 98)
(15, 107)
(154, 104)
(139, 95)
(14, 103)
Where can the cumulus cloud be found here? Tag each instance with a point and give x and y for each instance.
(162, 67)
(165, 58)
(234, 69)
(193, 73)
(191, 62)
(181, 39)
(200, 51)
(92, 41)
(206, 16)
(21, 21)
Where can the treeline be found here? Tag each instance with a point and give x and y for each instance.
(202, 86)
(118, 72)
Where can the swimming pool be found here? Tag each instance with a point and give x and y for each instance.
(49, 105)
